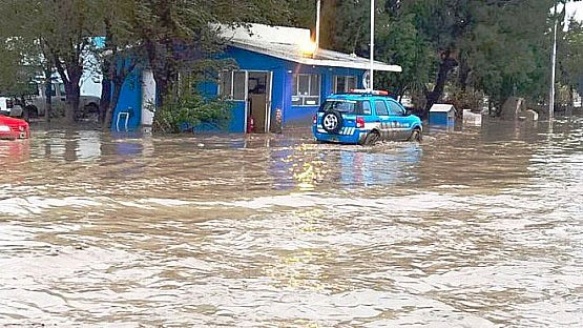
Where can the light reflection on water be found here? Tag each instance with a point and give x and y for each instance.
(478, 227)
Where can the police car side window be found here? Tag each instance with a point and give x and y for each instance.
(395, 109)
(366, 110)
(381, 108)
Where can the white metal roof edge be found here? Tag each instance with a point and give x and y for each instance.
(442, 108)
(361, 64)
(377, 66)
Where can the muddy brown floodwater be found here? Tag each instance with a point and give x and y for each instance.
(475, 227)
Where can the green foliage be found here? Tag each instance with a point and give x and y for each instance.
(399, 42)
(55, 35)
(493, 47)
(189, 111)
(570, 57)
(12, 70)
(496, 47)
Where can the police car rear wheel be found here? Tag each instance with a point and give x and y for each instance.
(371, 138)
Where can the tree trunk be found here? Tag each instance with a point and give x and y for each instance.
(161, 89)
(113, 104)
(105, 101)
(71, 78)
(48, 99)
(464, 74)
(446, 65)
(72, 101)
(159, 69)
(108, 69)
(328, 19)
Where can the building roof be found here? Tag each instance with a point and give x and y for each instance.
(289, 43)
(442, 108)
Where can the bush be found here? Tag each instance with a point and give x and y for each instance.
(184, 113)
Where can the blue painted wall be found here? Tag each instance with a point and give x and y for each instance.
(283, 72)
(130, 98)
(302, 115)
(248, 60)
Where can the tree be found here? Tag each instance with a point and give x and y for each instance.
(399, 41)
(15, 72)
(70, 26)
(179, 40)
(62, 29)
(508, 50)
(120, 54)
(571, 58)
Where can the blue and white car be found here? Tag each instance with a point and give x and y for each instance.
(364, 117)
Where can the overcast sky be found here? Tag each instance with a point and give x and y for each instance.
(575, 8)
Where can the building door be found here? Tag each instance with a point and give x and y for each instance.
(259, 100)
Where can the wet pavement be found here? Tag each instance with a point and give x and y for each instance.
(475, 227)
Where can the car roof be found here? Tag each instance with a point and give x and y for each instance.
(357, 96)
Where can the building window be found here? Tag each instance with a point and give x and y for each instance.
(343, 84)
(306, 90)
(225, 83)
(233, 84)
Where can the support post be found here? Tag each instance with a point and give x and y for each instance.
(553, 68)
(372, 10)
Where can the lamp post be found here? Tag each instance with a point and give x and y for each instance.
(553, 67)
(371, 86)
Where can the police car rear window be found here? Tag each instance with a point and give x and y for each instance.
(358, 107)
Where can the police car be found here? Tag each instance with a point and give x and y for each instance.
(364, 117)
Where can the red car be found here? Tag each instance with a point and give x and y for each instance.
(13, 128)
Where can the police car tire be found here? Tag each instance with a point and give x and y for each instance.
(416, 135)
(371, 138)
(339, 121)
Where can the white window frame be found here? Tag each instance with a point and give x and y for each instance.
(231, 87)
(302, 98)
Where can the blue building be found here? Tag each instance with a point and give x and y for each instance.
(281, 76)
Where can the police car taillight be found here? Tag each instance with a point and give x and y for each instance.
(359, 122)
(314, 119)
(370, 92)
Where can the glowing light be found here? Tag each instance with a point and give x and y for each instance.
(309, 47)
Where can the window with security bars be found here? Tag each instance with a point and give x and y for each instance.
(306, 90)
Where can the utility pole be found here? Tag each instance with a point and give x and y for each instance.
(553, 67)
(372, 10)
(318, 18)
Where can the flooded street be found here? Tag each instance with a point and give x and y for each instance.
(478, 227)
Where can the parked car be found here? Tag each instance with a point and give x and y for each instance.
(13, 128)
(364, 117)
(32, 103)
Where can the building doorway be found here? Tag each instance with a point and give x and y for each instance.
(259, 100)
